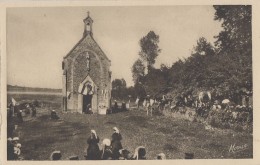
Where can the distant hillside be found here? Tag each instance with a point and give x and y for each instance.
(11, 88)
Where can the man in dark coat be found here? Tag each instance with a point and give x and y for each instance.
(93, 152)
(116, 143)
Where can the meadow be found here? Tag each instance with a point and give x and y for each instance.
(173, 136)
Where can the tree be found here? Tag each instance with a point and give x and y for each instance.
(149, 48)
(236, 38)
(155, 81)
(137, 70)
(203, 47)
(118, 83)
(119, 89)
(236, 22)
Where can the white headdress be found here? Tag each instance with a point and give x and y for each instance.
(94, 132)
(136, 154)
(18, 145)
(15, 138)
(106, 142)
(162, 156)
(116, 129)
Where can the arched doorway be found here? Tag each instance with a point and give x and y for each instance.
(87, 96)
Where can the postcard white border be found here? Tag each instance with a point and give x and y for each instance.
(62, 3)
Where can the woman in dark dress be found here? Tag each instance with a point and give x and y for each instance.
(140, 153)
(93, 152)
(116, 143)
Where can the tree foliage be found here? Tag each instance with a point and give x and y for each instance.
(227, 70)
(237, 33)
(204, 47)
(149, 48)
(236, 39)
(137, 70)
(224, 68)
(119, 89)
(118, 83)
(156, 81)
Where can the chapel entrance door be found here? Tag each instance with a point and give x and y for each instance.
(87, 96)
(87, 104)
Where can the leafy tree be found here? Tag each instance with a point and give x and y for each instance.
(149, 48)
(118, 83)
(137, 70)
(140, 90)
(224, 69)
(119, 89)
(236, 22)
(236, 38)
(204, 47)
(155, 81)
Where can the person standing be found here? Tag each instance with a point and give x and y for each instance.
(116, 143)
(33, 111)
(19, 116)
(93, 152)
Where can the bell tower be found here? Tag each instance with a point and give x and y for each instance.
(88, 25)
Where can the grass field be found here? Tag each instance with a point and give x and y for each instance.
(173, 136)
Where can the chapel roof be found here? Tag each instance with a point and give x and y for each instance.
(88, 18)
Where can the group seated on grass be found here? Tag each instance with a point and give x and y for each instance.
(111, 150)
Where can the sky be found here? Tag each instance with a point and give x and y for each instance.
(39, 38)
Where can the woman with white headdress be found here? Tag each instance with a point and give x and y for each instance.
(106, 153)
(93, 152)
(140, 153)
(116, 143)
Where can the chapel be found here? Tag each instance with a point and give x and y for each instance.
(86, 75)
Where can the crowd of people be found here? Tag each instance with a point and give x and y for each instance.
(110, 150)
(227, 112)
(13, 148)
(218, 113)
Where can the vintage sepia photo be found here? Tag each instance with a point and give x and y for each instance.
(129, 82)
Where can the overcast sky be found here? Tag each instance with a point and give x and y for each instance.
(38, 38)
